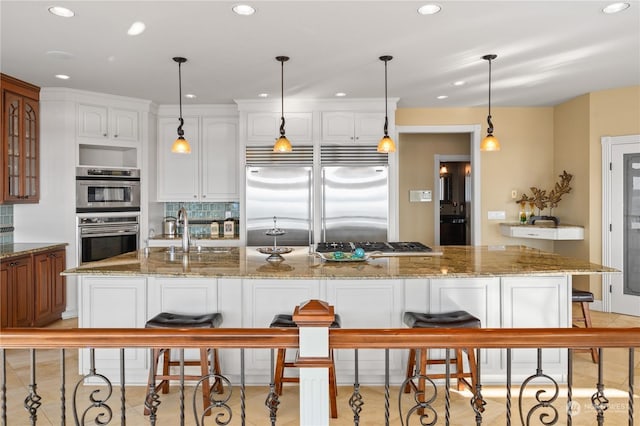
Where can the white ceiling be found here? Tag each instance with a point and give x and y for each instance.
(548, 51)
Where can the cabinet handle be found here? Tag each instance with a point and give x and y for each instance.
(104, 134)
(204, 196)
(195, 196)
(115, 136)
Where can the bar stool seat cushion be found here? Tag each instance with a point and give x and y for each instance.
(456, 319)
(581, 296)
(286, 321)
(169, 320)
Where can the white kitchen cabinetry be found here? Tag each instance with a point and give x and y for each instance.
(561, 232)
(103, 123)
(352, 127)
(210, 172)
(265, 127)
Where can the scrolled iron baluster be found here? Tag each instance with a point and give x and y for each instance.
(152, 401)
(243, 410)
(631, 373)
(3, 387)
(447, 386)
(570, 406)
(423, 408)
(386, 387)
(32, 401)
(508, 386)
(63, 401)
(477, 401)
(218, 406)
(545, 417)
(598, 400)
(272, 400)
(104, 414)
(356, 401)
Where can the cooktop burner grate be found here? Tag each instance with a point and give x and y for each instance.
(368, 246)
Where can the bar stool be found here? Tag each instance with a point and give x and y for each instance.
(584, 298)
(170, 320)
(457, 319)
(286, 321)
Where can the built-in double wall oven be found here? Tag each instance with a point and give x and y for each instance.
(108, 212)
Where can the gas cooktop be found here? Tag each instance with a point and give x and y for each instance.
(383, 247)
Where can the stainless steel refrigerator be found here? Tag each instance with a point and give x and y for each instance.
(284, 192)
(355, 203)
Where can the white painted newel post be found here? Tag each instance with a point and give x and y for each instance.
(313, 318)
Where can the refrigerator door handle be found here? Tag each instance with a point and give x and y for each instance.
(324, 212)
(311, 212)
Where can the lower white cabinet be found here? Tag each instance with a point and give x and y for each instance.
(499, 302)
(210, 172)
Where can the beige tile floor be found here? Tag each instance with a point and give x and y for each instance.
(585, 379)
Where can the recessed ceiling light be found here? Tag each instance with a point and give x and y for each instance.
(341, 94)
(136, 28)
(190, 96)
(263, 95)
(459, 83)
(442, 97)
(61, 11)
(429, 9)
(62, 76)
(616, 7)
(243, 9)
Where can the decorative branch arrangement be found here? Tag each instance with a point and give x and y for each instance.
(541, 200)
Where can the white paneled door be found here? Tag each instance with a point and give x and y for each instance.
(624, 227)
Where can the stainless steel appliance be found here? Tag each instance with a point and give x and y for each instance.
(351, 198)
(107, 190)
(100, 237)
(400, 248)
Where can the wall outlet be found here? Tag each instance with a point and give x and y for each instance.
(514, 194)
(496, 215)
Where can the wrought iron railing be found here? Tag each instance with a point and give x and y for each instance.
(104, 402)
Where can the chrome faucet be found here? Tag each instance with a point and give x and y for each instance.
(185, 229)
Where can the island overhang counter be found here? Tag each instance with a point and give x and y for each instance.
(503, 286)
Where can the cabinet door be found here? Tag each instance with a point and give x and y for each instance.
(4, 295)
(123, 125)
(265, 126)
(219, 159)
(337, 126)
(369, 127)
(42, 271)
(178, 174)
(92, 121)
(20, 292)
(59, 289)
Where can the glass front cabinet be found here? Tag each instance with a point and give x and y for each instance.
(20, 137)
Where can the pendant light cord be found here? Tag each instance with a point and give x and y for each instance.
(386, 115)
(490, 124)
(282, 97)
(181, 120)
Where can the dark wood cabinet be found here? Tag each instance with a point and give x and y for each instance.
(17, 283)
(32, 291)
(49, 287)
(20, 141)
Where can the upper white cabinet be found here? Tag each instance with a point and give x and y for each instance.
(265, 126)
(106, 123)
(210, 172)
(352, 127)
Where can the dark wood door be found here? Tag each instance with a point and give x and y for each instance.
(49, 287)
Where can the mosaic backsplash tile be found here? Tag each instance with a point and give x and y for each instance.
(205, 213)
(6, 224)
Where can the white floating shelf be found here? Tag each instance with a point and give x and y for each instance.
(561, 232)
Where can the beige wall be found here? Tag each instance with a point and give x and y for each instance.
(526, 159)
(580, 123)
(537, 145)
(416, 156)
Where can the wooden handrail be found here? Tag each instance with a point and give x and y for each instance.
(38, 338)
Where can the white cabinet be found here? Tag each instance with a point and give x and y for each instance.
(210, 172)
(561, 232)
(265, 127)
(352, 127)
(105, 123)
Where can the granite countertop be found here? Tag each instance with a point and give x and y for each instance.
(246, 262)
(22, 249)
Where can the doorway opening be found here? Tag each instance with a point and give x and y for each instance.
(452, 224)
(472, 134)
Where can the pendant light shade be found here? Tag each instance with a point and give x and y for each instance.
(181, 145)
(386, 144)
(490, 142)
(282, 144)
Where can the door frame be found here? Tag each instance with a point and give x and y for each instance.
(437, 159)
(474, 131)
(607, 144)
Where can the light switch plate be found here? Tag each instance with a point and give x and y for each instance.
(420, 196)
(496, 215)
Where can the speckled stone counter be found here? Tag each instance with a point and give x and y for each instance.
(22, 249)
(246, 262)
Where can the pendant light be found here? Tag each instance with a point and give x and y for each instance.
(181, 145)
(386, 144)
(490, 142)
(282, 144)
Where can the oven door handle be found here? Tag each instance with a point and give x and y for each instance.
(106, 233)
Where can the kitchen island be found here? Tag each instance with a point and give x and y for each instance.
(504, 286)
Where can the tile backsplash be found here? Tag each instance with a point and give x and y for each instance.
(204, 210)
(6, 224)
